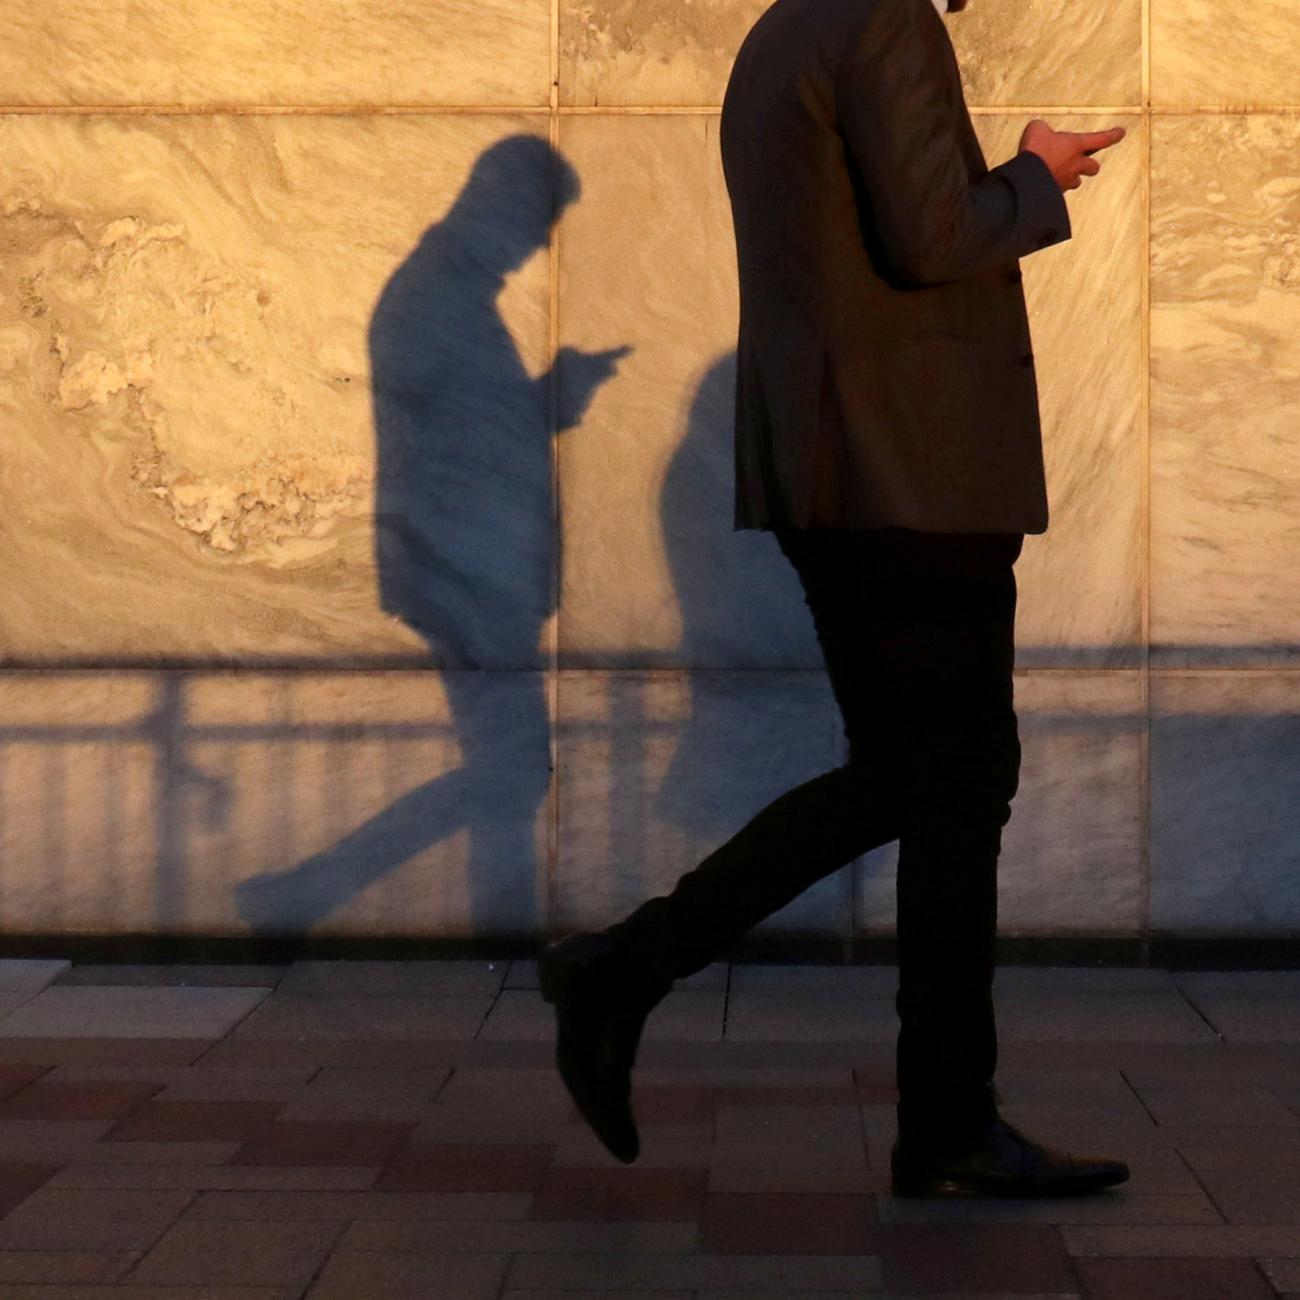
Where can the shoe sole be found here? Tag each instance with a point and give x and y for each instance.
(944, 1188)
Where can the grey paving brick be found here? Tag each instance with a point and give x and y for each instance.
(1139, 1015)
(194, 1082)
(1247, 1006)
(362, 1018)
(697, 1271)
(359, 1205)
(218, 1176)
(1114, 1207)
(1227, 1105)
(796, 1004)
(685, 1015)
(512, 1236)
(30, 974)
(640, 1294)
(410, 1276)
(1204, 1241)
(214, 1083)
(72, 1011)
(65, 1218)
(417, 979)
(176, 975)
(41, 1141)
(151, 1293)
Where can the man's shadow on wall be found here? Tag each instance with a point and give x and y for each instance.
(464, 544)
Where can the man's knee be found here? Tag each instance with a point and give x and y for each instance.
(965, 774)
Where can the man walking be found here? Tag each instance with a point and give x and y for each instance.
(887, 433)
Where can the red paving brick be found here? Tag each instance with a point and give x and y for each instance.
(753, 1223)
(19, 1181)
(327, 1142)
(14, 1077)
(196, 1121)
(47, 1099)
(102, 1051)
(452, 1167)
(1173, 1279)
(996, 1259)
(63, 1267)
(626, 1193)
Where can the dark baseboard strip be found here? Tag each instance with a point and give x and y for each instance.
(1168, 951)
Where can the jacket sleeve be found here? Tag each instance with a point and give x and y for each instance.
(933, 222)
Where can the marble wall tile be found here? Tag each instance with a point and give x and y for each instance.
(360, 803)
(1043, 52)
(280, 52)
(621, 52)
(655, 770)
(79, 784)
(1080, 582)
(1070, 860)
(1225, 819)
(1207, 53)
(1225, 389)
(228, 343)
(653, 572)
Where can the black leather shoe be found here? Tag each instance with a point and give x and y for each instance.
(600, 1011)
(1001, 1161)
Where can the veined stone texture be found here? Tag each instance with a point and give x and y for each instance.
(1225, 389)
(618, 52)
(1080, 582)
(654, 573)
(284, 52)
(1220, 53)
(229, 344)
(679, 52)
(275, 390)
(1046, 52)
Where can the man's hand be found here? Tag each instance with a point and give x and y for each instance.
(581, 373)
(1068, 153)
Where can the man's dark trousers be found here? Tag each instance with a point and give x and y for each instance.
(918, 633)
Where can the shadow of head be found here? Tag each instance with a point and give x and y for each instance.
(517, 190)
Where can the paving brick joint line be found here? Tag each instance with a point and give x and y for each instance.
(316, 1129)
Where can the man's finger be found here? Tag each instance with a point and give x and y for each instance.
(1090, 141)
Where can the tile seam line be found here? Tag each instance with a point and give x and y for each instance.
(1144, 511)
(551, 899)
(594, 670)
(574, 110)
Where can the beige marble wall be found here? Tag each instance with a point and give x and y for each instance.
(399, 337)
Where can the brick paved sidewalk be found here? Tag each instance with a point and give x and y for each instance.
(342, 1131)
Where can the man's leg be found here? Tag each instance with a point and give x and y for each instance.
(946, 605)
(804, 834)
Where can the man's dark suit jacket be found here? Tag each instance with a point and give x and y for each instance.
(884, 370)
